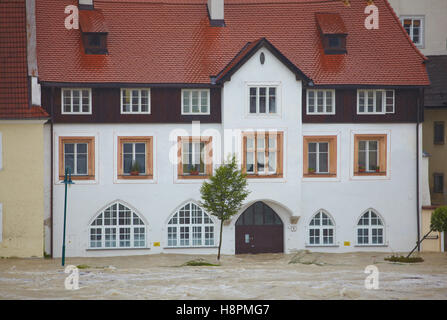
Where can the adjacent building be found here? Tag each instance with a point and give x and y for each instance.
(21, 135)
(425, 24)
(148, 97)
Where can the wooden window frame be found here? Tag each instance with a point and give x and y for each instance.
(439, 142)
(382, 156)
(315, 92)
(90, 141)
(149, 157)
(80, 101)
(208, 157)
(279, 154)
(139, 101)
(190, 112)
(384, 102)
(332, 140)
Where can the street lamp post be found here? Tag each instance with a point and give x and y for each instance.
(67, 181)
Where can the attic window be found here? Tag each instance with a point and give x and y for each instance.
(95, 43)
(333, 32)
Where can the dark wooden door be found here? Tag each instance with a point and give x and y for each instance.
(259, 230)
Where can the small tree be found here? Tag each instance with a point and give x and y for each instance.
(223, 195)
(438, 222)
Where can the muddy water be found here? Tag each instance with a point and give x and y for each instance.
(265, 276)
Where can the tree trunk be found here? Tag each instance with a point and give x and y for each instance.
(419, 242)
(220, 240)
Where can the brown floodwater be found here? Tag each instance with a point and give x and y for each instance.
(263, 276)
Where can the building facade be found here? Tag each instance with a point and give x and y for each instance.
(21, 135)
(322, 116)
(426, 24)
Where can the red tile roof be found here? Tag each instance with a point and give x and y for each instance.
(14, 103)
(92, 21)
(331, 23)
(171, 41)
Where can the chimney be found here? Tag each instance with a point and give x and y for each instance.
(86, 4)
(216, 13)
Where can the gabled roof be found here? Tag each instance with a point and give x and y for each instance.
(171, 41)
(14, 90)
(248, 51)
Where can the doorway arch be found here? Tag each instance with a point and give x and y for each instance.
(259, 229)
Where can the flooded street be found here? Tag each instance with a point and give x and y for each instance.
(264, 276)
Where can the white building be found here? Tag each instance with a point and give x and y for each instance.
(322, 116)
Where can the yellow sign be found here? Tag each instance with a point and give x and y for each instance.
(156, 244)
(346, 243)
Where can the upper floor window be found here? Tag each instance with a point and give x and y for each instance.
(76, 101)
(263, 100)
(370, 154)
(262, 154)
(414, 25)
(375, 101)
(439, 135)
(320, 102)
(195, 101)
(195, 157)
(135, 101)
(78, 155)
(320, 156)
(135, 158)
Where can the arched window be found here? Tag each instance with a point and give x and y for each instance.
(117, 227)
(370, 230)
(321, 229)
(190, 226)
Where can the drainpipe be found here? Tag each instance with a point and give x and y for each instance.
(421, 95)
(52, 169)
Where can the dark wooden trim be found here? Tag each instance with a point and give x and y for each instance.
(125, 85)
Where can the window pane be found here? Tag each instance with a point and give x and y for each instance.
(361, 101)
(370, 101)
(81, 164)
(127, 163)
(204, 102)
(250, 162)
(320, 101)
(69, 163)
(311, 101)
(252, 100)
(262, 100)
(76, 101)
(312, 161)
(379, 97)
(124, 237)
(272, 100)
(260, 161)
(195, 101)
(272, 161)
(186, 106)
(329, 101)
(323, 162)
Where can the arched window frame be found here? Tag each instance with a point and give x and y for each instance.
(122, 232)
(323, 230)
(373, 227)
(181, 235)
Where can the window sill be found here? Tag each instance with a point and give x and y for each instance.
(108, 249)
(322, 246)
(139, 177)
(77, 178)
(201, 247)
(264, 176)
(193, 177)
(371, 245)
(369, 173)
(320, 175)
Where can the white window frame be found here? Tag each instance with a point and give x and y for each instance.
(80, 101)
(267, 100)
(190, 112)
(384, 98)
(320, 228)
(421, 43)
(315, 92)
(139, 101)
(191, 228)
(367, 158)
(75, 156)
(117, 226)
(317, 152)
(370, 227)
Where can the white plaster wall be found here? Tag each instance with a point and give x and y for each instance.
(283, 194)
(435, 12)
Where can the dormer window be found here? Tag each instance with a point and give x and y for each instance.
(94, 31)
(333, 33)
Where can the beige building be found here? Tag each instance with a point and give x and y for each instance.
(426, 23)
(21, 137)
